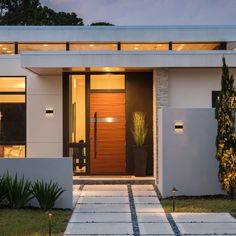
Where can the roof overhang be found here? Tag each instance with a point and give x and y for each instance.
(203, 33)
(55, 62)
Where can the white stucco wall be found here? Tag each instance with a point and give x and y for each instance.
(192, 87)
(44, 135)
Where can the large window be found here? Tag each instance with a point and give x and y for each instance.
(41, 47)
(7, 48)
(12, 117)
(144, 46)
(93, 46)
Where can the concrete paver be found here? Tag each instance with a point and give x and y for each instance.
(99, 228)
(155, 228)
(102, 208)
(152, 217)
(202, 217)
(100, 217)
(98, 200)
(146, 193)
(143, 199)
(149, 208)
(107, 193)
(207, 228)
(103, 187)
(142, 187)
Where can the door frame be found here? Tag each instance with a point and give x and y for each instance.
(65, 92)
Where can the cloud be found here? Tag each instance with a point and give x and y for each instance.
(150, 12)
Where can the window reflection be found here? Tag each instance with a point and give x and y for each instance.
(195, 46)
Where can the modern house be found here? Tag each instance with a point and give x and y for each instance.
(68, 90)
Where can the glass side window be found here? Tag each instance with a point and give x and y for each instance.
(12, 117)
(93, 46)
(41, 47)
(77, 122)
(107, 81)
(7, 48)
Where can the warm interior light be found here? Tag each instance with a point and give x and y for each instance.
(136, 48)
(4, 48)
(137, 45)
(8, 51)
(91, 45)
(107, 69)
(1, 45)
(45, 45)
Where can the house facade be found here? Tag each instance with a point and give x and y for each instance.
(71, 90)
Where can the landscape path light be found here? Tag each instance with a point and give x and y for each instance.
(174, 190)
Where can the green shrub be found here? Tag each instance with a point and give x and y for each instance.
(46, 193)
(18, 191)
(3, 188)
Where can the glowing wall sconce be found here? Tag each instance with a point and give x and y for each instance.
(179, 127)
(49, 112)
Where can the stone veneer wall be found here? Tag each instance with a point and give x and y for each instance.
(160, 100)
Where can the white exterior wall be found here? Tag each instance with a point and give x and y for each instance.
(192, 87)
(44, 135)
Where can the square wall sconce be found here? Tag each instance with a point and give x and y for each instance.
(179, 127)
(49, 112)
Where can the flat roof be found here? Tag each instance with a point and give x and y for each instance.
(160, 33)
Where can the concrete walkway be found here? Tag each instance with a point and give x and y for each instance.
(136, 210)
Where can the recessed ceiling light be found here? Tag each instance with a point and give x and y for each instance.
(1, 45)
(45, 45)
(4, 48)
(8, 51)
(107, 69)
(91, 45)
(136, 48)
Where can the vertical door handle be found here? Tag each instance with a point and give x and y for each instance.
(95, 135)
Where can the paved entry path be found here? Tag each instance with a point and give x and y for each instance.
(135, 210)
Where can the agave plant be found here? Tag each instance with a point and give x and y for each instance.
(46, 193)
(139, 129)
(18, 191)
(3, 188)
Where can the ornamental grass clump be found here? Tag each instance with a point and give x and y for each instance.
(46, 193)
(139, 129)
(18, 192)
(3, 188)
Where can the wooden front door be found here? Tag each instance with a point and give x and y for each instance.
(107, 133)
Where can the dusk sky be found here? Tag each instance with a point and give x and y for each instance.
(150, 12)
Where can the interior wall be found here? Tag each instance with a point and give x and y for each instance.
(139, 97)
(192, 87)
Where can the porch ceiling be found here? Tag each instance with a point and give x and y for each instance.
(55, 62)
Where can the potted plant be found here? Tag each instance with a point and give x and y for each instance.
(139, 132)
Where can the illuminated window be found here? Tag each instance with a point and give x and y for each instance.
(107, 81)
(12, 117)
(93, 46)
(41, 47)
(144, 46)
(195, 46)
(7, 48)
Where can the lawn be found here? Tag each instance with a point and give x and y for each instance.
(32, 222)
(201, 205)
